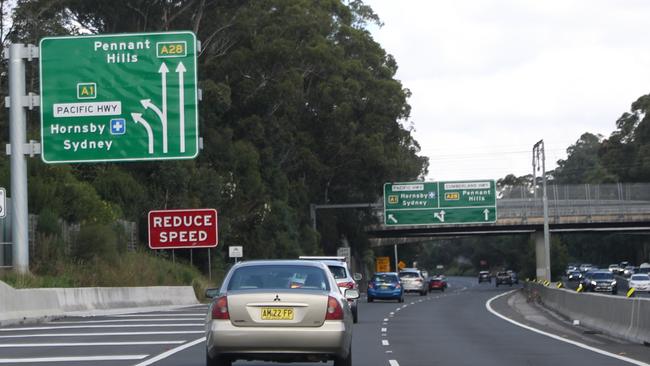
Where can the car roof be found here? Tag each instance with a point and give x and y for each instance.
(385, 273)
(409, 270)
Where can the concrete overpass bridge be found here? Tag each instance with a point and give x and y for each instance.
(571, 208)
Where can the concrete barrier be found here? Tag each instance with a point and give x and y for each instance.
(618, 316)
(32, 305)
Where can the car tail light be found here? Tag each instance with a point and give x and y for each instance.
(349, 285)
(334, 309)
(398, 286)
(371, 285)
(220, 309)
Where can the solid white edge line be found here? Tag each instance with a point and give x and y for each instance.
(393, 363)
(172, 351)
(488, 306)
(72, 359)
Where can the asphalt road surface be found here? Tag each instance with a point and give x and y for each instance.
(451, 328)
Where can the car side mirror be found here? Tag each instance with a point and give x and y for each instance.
(357, 276)
(351, 294)
(211, 293)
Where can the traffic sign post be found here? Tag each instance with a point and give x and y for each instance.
(3, 203)
(440, 203)
(124, 97)
(236, 251)
(183, 229)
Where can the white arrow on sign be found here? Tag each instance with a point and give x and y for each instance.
(392, 218)
(440, 215)
(163, 75)
(137, 118)
(180, 69)
(486, 212)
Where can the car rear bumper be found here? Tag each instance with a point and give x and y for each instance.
(223, 338)
(390, 294)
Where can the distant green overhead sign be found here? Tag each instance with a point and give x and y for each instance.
(439, 203)
(124, 97)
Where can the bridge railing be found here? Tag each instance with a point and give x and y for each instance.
(575, 200)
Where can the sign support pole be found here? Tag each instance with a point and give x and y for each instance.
(396, 259)
(209, 266)
(17, 132)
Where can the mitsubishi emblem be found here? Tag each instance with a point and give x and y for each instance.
(277, 298)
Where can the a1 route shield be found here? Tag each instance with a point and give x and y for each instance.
(440, 203)
(124, 97)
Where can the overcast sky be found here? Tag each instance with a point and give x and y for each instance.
(490, 78)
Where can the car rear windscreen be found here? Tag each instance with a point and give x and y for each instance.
(278, 277)
(408, 275)
(385, 278)
(602, 276)
(338, 272)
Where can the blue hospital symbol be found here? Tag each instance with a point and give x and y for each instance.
(118, 126)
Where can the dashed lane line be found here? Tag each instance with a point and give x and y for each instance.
(488, 305)
(384, 342)
(100, 334)
(393, 363)
(104, 326)
(172, 351)
(72, 359)
(384, 330)
(86, 344)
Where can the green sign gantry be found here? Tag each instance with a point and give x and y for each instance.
(123, 97)
(440, 203)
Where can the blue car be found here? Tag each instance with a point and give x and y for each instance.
(385, 286)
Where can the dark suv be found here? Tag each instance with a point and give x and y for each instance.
(503, 278)
(483, 276)
(601, 281)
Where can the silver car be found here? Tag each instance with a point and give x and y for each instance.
(412, 281)
(286, 311)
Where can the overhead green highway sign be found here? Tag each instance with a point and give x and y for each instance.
(440, 203)
(122, 97)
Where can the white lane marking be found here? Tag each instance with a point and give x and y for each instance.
(158, 315)
(125, 321)
(398, 309)
(403, 306)
(391, 313)
(393, 363)
(164, 355)
(488, 306)
(384, 330)
(101, 334)
(73, 359)
(389, 351)
(143, 343)
(384, 342)
(105, 326)
(385, 319)
(413, 303)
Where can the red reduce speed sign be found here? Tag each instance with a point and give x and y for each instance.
(178, 229)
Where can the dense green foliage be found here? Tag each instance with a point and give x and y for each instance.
(300, 106)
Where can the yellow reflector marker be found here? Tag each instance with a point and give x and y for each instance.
(579, 289)
(630, 292)
(559, 285)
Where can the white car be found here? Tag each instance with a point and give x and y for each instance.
(640, 282)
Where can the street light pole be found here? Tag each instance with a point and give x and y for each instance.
(539, 154)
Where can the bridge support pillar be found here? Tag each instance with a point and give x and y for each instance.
(542, 257)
